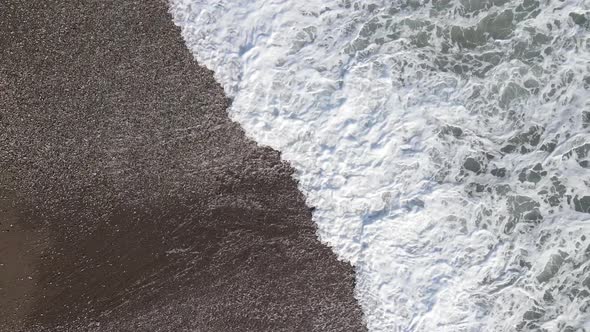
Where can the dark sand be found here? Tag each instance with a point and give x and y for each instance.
(129, 201)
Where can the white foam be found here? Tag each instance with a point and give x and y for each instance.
(357, 96)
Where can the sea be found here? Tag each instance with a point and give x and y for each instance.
(444, 144)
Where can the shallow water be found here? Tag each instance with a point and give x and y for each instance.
(444, 144)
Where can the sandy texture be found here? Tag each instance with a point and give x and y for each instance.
(140, 205)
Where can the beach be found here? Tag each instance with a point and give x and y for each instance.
(130, 200)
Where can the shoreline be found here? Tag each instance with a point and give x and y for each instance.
(154, 212)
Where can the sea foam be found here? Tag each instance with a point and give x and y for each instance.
(445, 145)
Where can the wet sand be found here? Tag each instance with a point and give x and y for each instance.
(135, 203)
(20, 248)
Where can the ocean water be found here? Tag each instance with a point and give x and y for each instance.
(445, 145)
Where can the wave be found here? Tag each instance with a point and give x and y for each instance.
(444, 144)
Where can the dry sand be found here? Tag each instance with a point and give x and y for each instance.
(135, 203)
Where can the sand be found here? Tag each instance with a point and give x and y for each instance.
(135, 203)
